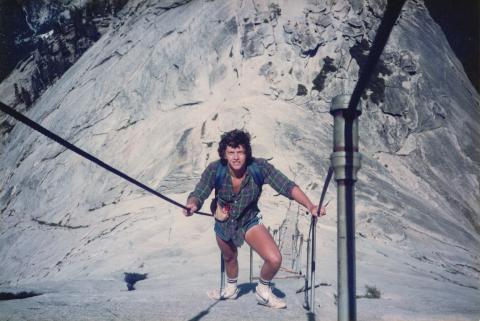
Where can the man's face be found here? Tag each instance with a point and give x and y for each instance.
(236, 157)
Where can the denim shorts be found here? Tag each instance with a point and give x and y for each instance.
(235, 230)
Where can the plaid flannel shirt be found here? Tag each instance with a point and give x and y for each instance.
(247, 197)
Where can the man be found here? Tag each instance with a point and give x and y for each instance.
(237, 216)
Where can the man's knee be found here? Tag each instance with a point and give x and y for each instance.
(230, 257)
(275, 260)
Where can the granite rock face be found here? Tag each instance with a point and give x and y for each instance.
(42, 39)
(157, 89)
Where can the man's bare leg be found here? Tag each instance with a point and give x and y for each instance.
(262, 242)
(230, 253)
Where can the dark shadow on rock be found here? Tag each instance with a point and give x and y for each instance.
(311, 316)
(245, 288)
(203, 313)
(4, 296)
(278, 292)
(132, 278)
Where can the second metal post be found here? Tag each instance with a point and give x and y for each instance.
(346, 162)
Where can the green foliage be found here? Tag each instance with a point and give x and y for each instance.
(371, 293)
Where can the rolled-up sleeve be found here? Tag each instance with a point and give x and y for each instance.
(276, 179)
(205, 185)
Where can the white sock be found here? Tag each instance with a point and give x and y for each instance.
(264, 283)
(232, 282)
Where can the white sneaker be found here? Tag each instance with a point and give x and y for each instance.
(230, 292)
(266, 297)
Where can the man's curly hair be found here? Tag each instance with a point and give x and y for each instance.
(235, 138)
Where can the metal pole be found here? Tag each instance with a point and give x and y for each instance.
(293, 251)
(312, 272)
(222, 274)
(307, 274)
(251, 265)
(300, 247)
(346, 162)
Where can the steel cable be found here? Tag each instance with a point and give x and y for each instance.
(37, 127)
